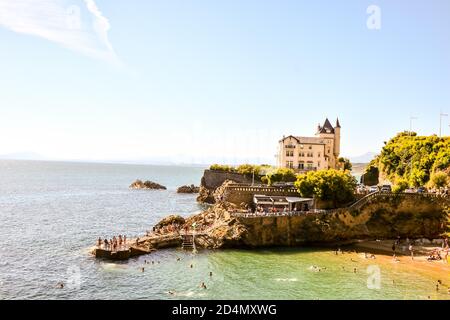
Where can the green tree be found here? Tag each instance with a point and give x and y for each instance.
(280, 175)
(414, 157)
(371, 174)
(345, 164)
(333, 185)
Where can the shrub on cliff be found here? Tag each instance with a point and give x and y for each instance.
(439, 180)
(328, 185)
(222, 167)
(250, 169)
(400, 186)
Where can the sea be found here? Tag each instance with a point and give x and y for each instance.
(51, 214)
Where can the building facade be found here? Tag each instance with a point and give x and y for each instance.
(311, 153)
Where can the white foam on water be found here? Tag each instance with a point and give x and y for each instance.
(187, 294)
(286, 279)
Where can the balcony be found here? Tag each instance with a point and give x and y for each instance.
(289, 146)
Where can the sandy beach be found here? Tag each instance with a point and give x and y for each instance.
(438, 270)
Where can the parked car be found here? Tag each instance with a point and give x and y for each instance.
(386, 188)
(373, 189)
(409, 191)
(421, 190)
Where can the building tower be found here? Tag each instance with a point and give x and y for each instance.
(337, 139)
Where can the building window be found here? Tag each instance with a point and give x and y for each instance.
(328, 150)
(301, 154)
(310, 147)
(301, 166)
(318, 164)
(289, 153)
(318, 154)
(290, 164)
(301, 146)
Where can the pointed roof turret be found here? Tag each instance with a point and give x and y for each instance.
(338, 125)
(327, 127)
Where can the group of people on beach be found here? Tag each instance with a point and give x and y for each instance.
(112, 244)
(435, 255)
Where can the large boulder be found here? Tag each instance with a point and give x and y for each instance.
(172, 219)
(138, 184)
(188, 189)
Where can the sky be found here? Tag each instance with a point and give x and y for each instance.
(196, 81)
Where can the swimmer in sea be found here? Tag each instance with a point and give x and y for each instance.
(354, 270)
(210, 274)
(192, 266)
(203, 285)
(142, 269)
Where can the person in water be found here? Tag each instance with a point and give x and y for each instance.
(203, 285)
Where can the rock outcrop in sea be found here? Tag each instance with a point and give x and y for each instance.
(188, 189)
(138, 184)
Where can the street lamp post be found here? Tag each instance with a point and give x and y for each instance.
(441, 115)
(410, 124)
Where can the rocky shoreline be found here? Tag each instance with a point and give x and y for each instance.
(226, 225)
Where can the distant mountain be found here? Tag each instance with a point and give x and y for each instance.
(22, 156)
(364, 158)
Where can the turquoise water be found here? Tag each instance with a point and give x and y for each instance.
(51, 212)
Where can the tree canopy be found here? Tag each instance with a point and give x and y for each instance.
(328, 185)
(413, 158)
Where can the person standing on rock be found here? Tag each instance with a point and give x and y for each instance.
(411, 250)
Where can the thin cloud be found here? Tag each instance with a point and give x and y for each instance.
(75, 24)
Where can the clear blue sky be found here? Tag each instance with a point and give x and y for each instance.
(206, 81)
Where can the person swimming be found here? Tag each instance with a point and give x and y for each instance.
(203, 285)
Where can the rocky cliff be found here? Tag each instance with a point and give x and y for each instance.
(213, 179)
(381, 218)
